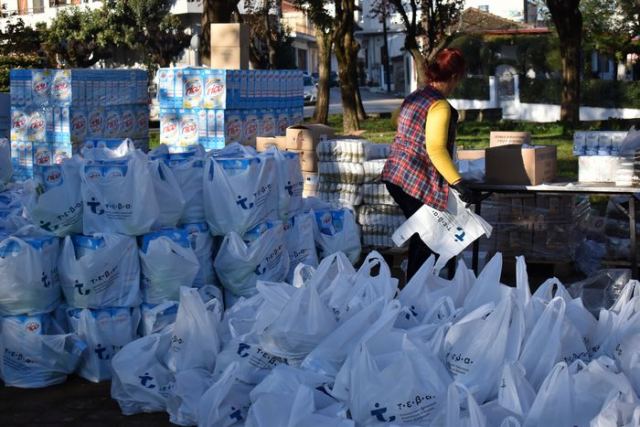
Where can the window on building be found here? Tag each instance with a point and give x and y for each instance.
(484, 7)
(302, 59)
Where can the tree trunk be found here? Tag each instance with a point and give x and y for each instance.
(567, 19)
(362, 114)
(420, 65)
(213, 12)
(321, 112)
(344, 42)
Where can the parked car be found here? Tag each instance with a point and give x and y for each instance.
(310, 89)
(333, 78)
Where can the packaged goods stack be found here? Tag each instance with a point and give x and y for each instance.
(379, 215)
(105, 247)
(53, 112)
(215, 107)
(340, 171)
(604, 157)
(539, 227)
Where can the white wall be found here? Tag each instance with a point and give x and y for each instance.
(510, 9)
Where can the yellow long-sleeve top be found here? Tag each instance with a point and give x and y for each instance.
(436, 137)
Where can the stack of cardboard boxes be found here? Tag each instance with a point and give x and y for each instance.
(303, 140)
(229, 46)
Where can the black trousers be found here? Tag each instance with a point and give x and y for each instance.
(418, 250)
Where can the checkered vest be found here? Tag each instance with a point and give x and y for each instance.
(408, 165)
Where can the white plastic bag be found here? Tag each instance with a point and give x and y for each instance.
(171, 202)
(298, 233)
(188, 169)
(301, 324)
(29, 272)
(554, 404)
(515, 392)
(119, 197)
(53, 201)
(100, 271)
(156, 317)
(478, 345)
(472, 416)
(290, 182)
(487, 287)
(105, 331)
(226, 402)
(337, 231)
(367, 287)
(329, 355)
(392, 379)
(426, 289)
(239, 193)
(182, 404)
(36, 352)
(448, 232)
(239, 264)
(194, 340)
(202, 244)
(141, 382)
(167, 262)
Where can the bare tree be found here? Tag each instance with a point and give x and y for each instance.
(567, 19)
(429, 25)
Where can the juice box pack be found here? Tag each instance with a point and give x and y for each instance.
(229, 89)
(78, 87)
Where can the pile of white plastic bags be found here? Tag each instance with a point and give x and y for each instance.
(344, 347)
(94, 251)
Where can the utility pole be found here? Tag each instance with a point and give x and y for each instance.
(385, 50)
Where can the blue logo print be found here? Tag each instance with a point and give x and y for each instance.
(242, 347)
(460, 236)
(412, 309)
(378, 413)
(146, 378)
(242, 202)
(100, 351)
(260, 270)
(47, 226)
(289, 188)
(93, 204)
(45, 280)
(79, 287)
(236, 414)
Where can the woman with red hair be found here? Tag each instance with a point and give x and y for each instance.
(420, 169)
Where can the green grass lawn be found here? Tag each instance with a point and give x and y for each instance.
(476, 135)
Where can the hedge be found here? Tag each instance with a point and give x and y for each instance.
(476, 87)
(594, 93)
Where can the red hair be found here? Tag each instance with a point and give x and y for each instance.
(448, 64)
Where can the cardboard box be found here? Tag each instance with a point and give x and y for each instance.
(512, 164)
(498, 139)
(226, 35)
(306, 137)
(470, 154)
(308, 160)
(265, 142)
(230, 57)
(311, 183)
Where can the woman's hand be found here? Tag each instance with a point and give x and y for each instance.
(465, 194)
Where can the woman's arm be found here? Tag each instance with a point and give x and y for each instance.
(436, 136)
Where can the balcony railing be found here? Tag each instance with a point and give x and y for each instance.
(299, 25)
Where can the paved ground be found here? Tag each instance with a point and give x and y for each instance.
(373, 102)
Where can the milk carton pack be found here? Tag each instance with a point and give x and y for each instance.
(250, 126)
(233, 126)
